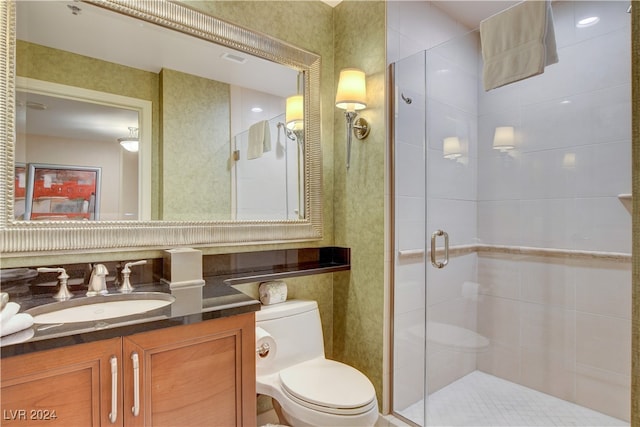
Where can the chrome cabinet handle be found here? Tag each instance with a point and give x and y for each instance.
(445, 261)
(113, 415)
(136, 384)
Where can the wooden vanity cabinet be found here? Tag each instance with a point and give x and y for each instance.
(195, 375)
(69, 386)
(192, 375)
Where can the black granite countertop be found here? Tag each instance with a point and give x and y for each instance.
(219, 297)
(219, 300)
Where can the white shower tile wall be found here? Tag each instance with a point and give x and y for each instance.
(562, 327)
(546, 318)
(573, 129)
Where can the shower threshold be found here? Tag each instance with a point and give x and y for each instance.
(481, 399)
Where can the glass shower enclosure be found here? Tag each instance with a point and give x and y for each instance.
(512, 267)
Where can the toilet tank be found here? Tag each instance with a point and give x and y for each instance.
(297, 330)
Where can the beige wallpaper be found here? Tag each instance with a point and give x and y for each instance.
(359, 194)
(196, 127)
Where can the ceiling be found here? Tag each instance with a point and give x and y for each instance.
(467, 12)
(99, 33)
(470, 12)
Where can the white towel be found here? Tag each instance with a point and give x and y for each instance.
(17, 323)
(517, 43)
(18, 337)
(259, 139)
(9, 310)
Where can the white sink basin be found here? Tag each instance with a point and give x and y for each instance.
(99, 307)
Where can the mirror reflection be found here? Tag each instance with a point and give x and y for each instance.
(220, 141)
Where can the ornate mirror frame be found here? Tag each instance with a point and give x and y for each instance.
(39, 236)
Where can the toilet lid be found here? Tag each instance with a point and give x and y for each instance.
(329, 386)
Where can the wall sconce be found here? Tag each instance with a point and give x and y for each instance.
(351, 96)
(503, 139)
(451, 148)
(130, 143)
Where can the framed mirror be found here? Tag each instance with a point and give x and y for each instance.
(209, 196)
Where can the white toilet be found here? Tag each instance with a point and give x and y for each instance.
(311, 390)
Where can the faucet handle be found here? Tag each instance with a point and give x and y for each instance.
(63, 293)
(126, 271)
(127, 266)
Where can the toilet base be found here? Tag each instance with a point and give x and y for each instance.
(292, 414)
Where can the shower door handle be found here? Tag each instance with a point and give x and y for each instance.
(445, 261)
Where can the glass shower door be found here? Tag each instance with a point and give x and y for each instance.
(409, 304)
(452, 341)
(435, 296)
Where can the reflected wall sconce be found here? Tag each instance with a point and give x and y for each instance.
(294, 116)
(569, 161)
(451, 148)
(352, 96)
(503, 139)
(294, 112)
(130, 143)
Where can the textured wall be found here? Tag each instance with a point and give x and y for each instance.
(360, 194)
(196, 178)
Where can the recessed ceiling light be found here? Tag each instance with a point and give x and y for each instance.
(587, 22)
(256, 110)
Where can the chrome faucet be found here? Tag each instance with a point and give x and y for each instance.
(98, 281)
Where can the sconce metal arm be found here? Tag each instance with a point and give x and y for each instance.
(350, 116)
(360, 128)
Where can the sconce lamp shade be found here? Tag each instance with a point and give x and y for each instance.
(352, 90)
(294, 113)
(503, 138)
(451, 148)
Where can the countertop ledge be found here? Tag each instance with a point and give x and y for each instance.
(219, 298)
(222, 301)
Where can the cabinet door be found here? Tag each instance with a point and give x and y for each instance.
(194, 375)
(70, 386)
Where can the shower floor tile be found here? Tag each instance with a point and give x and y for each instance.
(480, 399)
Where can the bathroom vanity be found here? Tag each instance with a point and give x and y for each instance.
(160, 367)
(198, 374)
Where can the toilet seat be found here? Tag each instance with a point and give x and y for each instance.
(328, 386)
